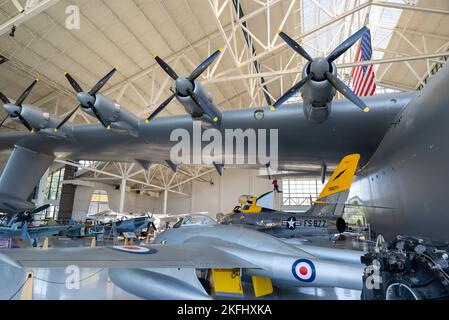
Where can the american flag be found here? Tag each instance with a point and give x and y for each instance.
(363, 79)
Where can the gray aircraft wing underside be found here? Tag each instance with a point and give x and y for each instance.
(347, 130)
(298, 142)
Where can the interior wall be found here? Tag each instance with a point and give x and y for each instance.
(222, 194)
(214, 195)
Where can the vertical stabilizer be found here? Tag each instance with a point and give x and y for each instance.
(334, 195)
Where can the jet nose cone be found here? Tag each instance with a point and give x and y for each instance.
(183, 85)
(11, 108)
(319, 67)
(84, 98)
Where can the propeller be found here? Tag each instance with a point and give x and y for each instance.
(87, 99)
(14, 110)
(150, 223)
(321, 69)
(184, 85)
(28, 216)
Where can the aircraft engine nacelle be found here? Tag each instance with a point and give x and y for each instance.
(317, 96)
(199, 104)
(115, 116)
(38, 119)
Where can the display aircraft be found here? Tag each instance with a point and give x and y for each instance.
(323, 219)
(200, 259)
(19, 225)
(401, 141)
(119, 227)
(31, 234)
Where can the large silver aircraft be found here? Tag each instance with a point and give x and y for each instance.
(200, 259)
(401, 140)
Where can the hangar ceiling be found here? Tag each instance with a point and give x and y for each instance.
(409, 38)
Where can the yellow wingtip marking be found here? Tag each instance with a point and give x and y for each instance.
(56, 129)
(272, 108)
(366, 110)
(147, 121)
(279, 31)
(154, 56)
(220, 49)
(216, 119)
(37, 78)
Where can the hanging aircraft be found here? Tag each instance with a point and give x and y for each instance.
(322, 220)
(200, 259)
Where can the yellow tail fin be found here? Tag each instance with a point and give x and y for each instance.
(341, 179)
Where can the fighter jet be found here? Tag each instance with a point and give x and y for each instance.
(200, 259)
(322, 220)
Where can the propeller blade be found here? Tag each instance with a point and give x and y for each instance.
(194, 97)
(342, 48)
(40, 209)
(24, 122)
(204, 65)
(97, 114)
(67, 118)
(292, 91)
(4, 99)
(346, 91)
(153, 225)
(73, 83)
(3, 121)
(166, 67)
(160, 108)
(100, 84)
(295, 46)
(26, 93)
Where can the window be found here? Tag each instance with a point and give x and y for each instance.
(99, 202)
(296, 193)
(54, 186)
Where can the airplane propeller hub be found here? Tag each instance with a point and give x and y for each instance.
(12, 109)
(319, 67)
(85, 98)
(184, 86)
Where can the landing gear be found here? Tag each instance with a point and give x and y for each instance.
(409, 268)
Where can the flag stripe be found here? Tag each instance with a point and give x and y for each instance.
(363, 78)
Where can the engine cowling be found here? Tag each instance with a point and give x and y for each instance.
(318, 96)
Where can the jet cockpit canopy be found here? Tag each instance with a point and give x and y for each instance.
(195, 220)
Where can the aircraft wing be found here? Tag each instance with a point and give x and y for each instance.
(152, 256)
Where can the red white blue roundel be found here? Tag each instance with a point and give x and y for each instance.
(135, 249)
(304, 270)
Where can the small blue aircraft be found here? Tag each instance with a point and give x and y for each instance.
(18, 226)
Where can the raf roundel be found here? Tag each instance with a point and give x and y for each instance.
(135, 249)
(304, 270)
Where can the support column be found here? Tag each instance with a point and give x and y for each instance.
(122, 195)
(164, 208)
(67, 195)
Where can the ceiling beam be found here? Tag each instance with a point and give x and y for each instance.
(24, 16)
